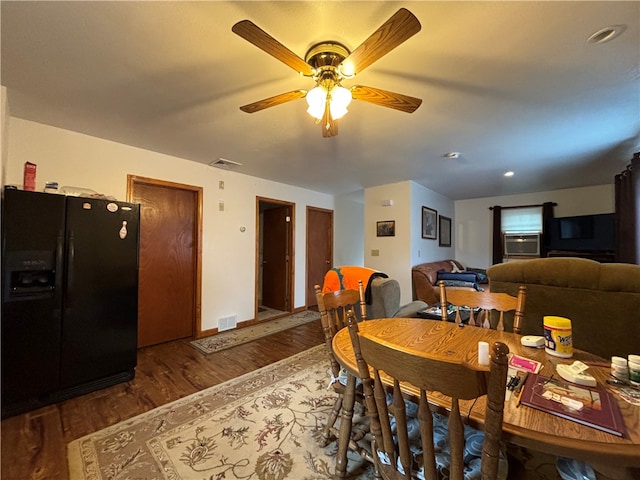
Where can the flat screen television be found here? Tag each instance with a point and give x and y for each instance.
(576, 227)
(595, 233)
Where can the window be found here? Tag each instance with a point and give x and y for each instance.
(521, 220)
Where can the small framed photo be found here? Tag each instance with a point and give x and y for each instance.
(429, 226)
(445, 231)
(386, 228)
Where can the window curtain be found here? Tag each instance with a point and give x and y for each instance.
(627, 203)
(547, 215)
(497, 234)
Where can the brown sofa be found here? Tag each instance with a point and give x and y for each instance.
(424, 279)
(602, 300)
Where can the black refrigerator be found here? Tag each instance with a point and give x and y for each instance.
(69, 296)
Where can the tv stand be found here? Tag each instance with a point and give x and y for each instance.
(598, 256)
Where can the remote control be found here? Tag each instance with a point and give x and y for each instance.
(566, 372)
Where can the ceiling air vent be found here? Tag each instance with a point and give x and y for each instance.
(224, 164)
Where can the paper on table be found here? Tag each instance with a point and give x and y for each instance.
(524, 364)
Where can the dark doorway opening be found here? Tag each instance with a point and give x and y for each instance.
(275, 258)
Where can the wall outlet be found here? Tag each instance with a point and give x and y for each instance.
(221, 205)
(221, 185)
(375, 253)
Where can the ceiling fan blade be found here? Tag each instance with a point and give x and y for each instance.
(273, 101)
(385, 98)
(261, 39)
(399, 28)
(329, 125)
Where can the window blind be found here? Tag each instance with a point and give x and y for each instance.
(522, 220)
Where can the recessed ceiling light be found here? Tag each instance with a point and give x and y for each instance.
(509, 174)
(606, 34)
(452, 155)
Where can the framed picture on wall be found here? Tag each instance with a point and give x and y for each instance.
(429, 226)
(445, 231)
(386, 228)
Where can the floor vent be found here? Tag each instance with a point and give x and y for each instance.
(227, 323)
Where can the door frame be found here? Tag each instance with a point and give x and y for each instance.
(132, 180)
(291, 269)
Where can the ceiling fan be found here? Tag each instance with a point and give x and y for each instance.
(328, 63)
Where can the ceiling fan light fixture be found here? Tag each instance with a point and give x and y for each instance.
(316, 99)
(329, 62)
(340, 99)
(347, 69)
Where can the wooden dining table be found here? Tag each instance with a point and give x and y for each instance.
(522, 425)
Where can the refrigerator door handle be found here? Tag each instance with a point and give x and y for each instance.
(59, 262)
(71, 253)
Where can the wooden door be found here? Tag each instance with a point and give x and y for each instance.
(169, 274)
(319, 249)
(276, 257)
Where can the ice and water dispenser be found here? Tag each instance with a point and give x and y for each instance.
(29, 275)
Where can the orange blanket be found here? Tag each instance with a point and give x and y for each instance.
(346, 277)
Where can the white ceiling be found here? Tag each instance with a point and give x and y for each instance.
(510, 85)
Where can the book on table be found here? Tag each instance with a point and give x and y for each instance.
(590, 406)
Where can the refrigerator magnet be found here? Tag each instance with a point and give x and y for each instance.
(112, 207)
(123, 230)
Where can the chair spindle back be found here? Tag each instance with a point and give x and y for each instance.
(486, 302)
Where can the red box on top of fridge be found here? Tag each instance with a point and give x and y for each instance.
(29, 182)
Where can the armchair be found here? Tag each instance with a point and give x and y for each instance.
(385, 300)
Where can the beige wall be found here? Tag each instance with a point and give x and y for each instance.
(392, 252)
(228, 273)
(4, 129)
(398, 254)
(471, 224)
(473, 219)
(82, 161)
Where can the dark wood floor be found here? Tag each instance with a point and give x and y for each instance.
(34, 445)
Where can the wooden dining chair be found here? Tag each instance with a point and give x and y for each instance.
(335, 309)
(397, 455)
(483, 306)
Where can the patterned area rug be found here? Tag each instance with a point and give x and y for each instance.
(263, 425)
(223, 340)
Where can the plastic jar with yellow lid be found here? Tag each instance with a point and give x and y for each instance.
(557, 336)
